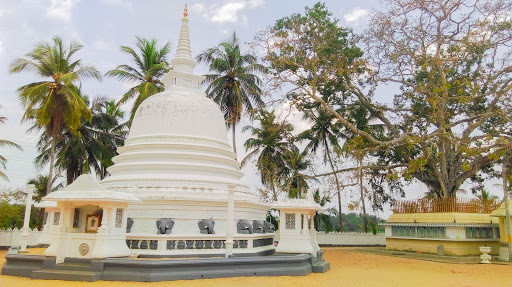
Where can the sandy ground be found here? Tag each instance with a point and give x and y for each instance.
(348, 268)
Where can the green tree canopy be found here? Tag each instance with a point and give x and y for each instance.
(150, 65)
(270, 142)
(452, 63)
(91, 147)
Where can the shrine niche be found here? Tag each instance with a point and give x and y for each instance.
(88, 221)
(92, 223)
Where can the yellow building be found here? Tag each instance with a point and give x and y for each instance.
(425, 227)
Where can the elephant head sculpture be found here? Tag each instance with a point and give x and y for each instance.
(269, 227)
(206, 226)
(164, 226)
(243, 227)
(129, 225)
(258, 227)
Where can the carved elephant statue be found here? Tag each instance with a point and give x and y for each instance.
(164, 226)
(129, 225)
(258, 227)
(243, 227)
(206, 226)
(269, 227)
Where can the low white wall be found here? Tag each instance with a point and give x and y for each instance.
(8, 237)
(350, 238)
(12, 237)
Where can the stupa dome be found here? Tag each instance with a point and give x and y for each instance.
(179, 113)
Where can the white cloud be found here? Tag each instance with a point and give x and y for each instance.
(4, 12)
(355, 15)
(61, 9)
(227, 12)
(1, 48)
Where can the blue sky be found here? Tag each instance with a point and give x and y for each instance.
(102, 26)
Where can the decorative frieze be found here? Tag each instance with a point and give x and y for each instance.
(263, 242)
(56, 218)
(193, 244)
(153, 244)
(119, 217)
(290, 220)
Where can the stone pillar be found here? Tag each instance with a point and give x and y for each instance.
(305, 227)
(230, 220)
(104, 228)
(60, 237)
(26, 229)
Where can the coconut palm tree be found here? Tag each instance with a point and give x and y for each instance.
(113, 134)
(54, 104)
(7, 143)
(92, 146)
(324, 133)
(270, 141)
(233, 84)
(295, 181)
(321, 199)
(40, 182)
(150, 65)
(486, 197)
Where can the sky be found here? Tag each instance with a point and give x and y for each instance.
(102, 26)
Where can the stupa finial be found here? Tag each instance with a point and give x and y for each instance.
(183, 61)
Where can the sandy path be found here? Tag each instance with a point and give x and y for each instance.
(347, 269)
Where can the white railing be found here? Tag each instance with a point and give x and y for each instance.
(12, 237)
(350, 238)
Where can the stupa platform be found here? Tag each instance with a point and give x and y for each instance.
(154, 270)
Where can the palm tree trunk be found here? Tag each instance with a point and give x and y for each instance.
(273, 189)
(337, 185)
(234, 142)
(362, 193)
(52, 163)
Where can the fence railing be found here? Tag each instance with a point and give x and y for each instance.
(466, 205)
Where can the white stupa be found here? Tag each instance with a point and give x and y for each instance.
(177, 160)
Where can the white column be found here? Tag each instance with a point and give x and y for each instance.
(305, 227)
(26, 220)
(298, 227)
(104, 221)
(229, 221)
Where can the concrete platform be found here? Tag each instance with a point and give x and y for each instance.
(124, 269)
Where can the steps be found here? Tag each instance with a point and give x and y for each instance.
(71, 271)
(69, 275)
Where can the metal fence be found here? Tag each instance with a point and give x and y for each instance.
(466, 205)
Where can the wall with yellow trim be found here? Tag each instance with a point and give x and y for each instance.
(450, 247)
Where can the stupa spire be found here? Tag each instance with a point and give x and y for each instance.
(183, 61)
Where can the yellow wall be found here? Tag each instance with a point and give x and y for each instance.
(450, 247)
